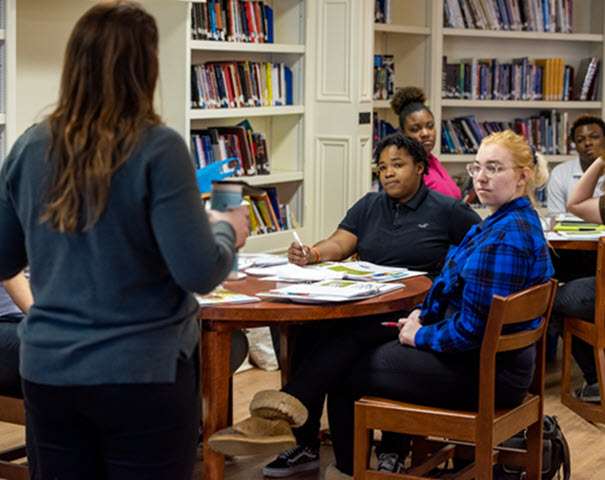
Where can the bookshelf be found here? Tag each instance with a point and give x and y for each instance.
(418, 39)
(408, 38)
(587, 40)
(7, 76)
(283, 126)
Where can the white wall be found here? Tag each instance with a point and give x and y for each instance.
(43, 28)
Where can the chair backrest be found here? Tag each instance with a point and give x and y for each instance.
(533, 302)
(600, 290)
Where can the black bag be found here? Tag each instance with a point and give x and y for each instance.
(555, 454)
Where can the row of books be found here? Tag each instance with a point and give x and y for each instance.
(515, 15)
(383, 10)
(546, 132)
(381, 128)
(220, 143)
(267, 215)
(240, 84)
(232, 21)
(384, 77)
(547, 79)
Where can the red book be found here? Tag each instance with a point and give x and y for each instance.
(251, 22)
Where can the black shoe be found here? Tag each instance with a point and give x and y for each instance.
(589, 393)
(297, 459)
(390, 462)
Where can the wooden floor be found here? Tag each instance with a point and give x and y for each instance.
(586, 440)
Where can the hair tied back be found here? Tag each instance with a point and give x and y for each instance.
(533, 152)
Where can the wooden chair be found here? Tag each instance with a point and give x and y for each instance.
(593, 334)
(470, 434)
(13, 411)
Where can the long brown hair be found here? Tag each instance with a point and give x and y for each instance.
(105, 104)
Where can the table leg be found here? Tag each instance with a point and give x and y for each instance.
(285, 352)
(216, 350)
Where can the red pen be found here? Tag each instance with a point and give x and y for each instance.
(389, 324)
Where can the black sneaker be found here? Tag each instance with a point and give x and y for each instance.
(297, 459)
(589, 393)
(389, 462)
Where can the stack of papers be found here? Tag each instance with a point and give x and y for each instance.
(248, 260)
(222, 296)
(570, 227)
(359, 271)
(331, 291)
(370, 272)
(295, 273)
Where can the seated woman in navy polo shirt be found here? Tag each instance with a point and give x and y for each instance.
(405, 225)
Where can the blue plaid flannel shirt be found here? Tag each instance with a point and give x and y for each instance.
(505, 253)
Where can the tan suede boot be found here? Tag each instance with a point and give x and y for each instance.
(267, 431)
(332, 473)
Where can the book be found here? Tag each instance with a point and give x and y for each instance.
(369, 272)
(331, 291)
(222, 296)
(274, 199)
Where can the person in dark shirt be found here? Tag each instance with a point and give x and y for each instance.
(434, 359)
(405, 225)
(576, 298)
(101, 200)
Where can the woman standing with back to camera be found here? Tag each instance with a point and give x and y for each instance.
(416, 120)
(101, 200)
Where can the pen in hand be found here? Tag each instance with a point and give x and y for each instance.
(297, 238)
(389, 324)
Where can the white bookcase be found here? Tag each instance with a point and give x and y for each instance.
(7, 76)
(585, 41)
(418, 40)
(408, 39)
(284, 126)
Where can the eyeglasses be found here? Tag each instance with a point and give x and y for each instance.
(490, 170)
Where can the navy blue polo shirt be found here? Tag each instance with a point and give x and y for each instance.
(416, 234)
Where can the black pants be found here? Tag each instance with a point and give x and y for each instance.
(323, 354)
(117, 431)
(577, 299)
(407, 374)
(313, 357)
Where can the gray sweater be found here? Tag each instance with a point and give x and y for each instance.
(112, 303)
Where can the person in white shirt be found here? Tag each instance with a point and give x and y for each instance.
(588, 134)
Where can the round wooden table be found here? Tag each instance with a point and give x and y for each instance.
(219, 321)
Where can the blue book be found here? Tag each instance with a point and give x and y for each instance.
(269, 21)
(288, 81)
(273, 197)
(197, 155)
(208, 150)
(212, 12)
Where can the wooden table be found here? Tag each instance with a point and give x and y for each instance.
(219, 321)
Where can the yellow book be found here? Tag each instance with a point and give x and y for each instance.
(254, 226)
(545, 63)
(269, 84)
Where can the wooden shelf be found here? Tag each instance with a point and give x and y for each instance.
(466, 158)
(206, 45)
(401, 29)
(512, 35)
(217, 113)
(274, 178)
(536, 105)
(277, 242)
(381, 104)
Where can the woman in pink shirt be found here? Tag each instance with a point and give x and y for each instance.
(416, 120)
